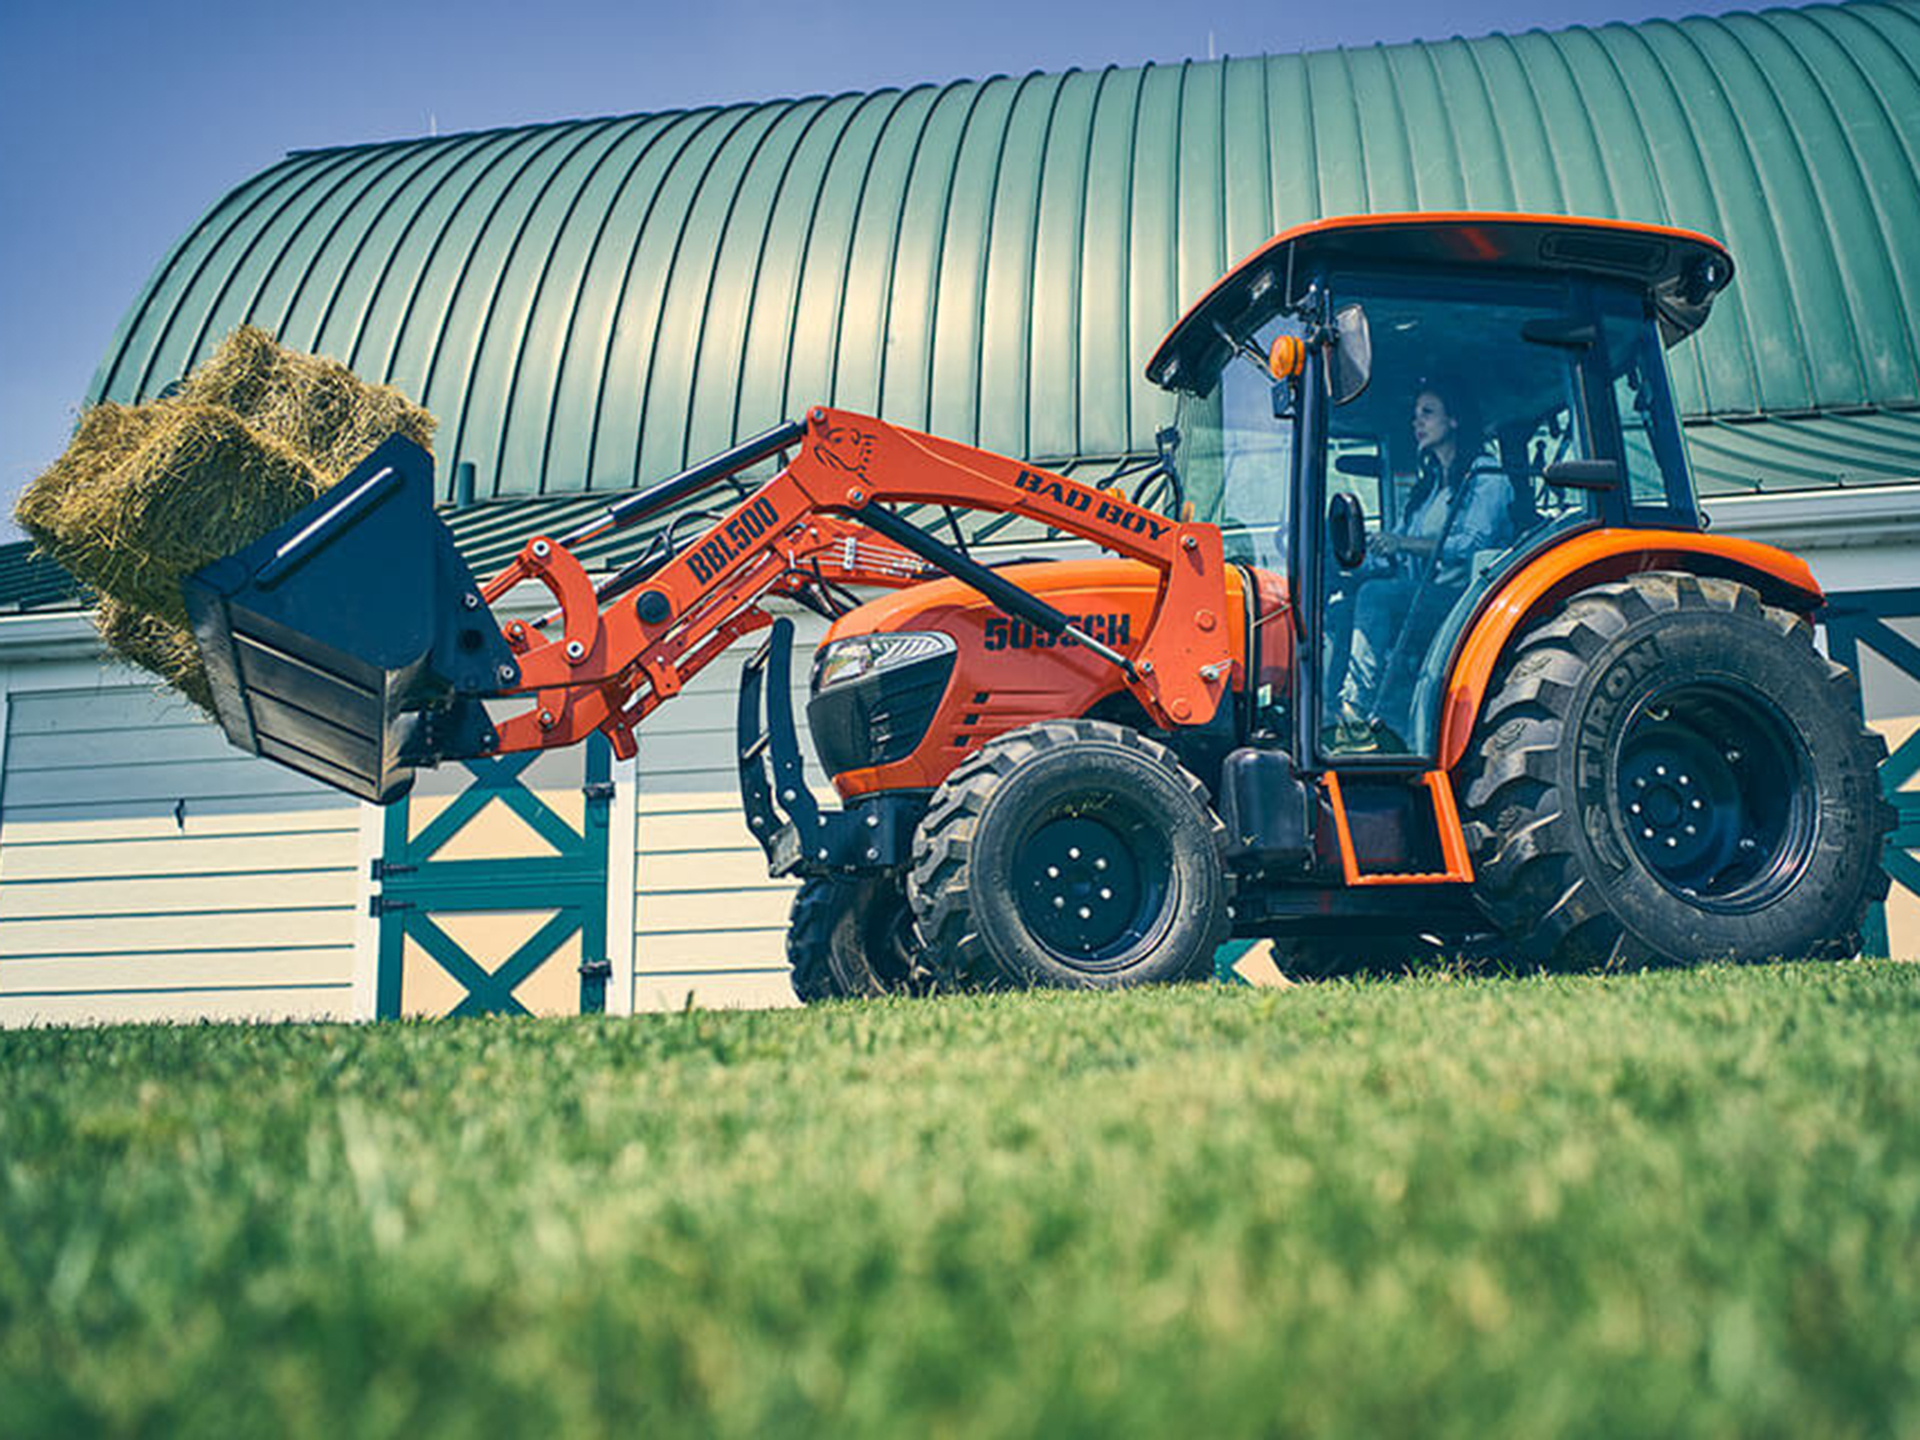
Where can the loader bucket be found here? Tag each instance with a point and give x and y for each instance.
(352, 643)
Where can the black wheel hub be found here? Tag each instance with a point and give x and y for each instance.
(1090, 887)
(1713, 793)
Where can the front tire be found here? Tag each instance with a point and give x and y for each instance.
(852, 939)
(1073, 854)
(1669, 771)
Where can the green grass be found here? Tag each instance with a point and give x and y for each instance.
(1675, 1203)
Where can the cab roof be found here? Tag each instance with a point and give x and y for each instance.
(1680, 270)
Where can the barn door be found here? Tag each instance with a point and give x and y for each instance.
(493, 888)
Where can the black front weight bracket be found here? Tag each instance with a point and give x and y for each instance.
(799, 837)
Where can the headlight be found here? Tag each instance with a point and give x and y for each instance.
(845, 661)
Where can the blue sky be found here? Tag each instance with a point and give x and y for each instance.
(120, 123)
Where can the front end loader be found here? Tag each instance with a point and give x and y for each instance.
(1412, 636)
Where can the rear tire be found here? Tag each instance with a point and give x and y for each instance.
(1075, 854)
(1669, 771)
(852, 939)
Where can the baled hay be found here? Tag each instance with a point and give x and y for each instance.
(144, 495)
(57, 502)
(317, 406)
(155, 645)
(198, 485)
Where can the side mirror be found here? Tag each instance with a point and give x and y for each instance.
(1352, 353)
(1583, 474)
(1347, 529)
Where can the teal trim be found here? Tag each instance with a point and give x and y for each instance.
(1860, 619)
(415, 887)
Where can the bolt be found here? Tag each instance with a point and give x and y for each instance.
(821, 821)
(819, 415)
(821, 853)
(857, 497)
(786, 795)
(541, 549)
(873, 822)
(546, 719)
(1187, 542)
(1146, 667)
(1733, 757)
(507, 672)
(470, 600)
(759, 822)
(1749, 844)
(873, 854)
(1209, 672)
(575, 650)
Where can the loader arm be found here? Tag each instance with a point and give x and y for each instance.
(824, 519)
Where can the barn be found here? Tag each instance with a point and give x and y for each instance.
(590, 305)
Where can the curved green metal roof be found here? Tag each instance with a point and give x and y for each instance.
(592, 304)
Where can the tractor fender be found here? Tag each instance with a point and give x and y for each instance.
(1594, 557)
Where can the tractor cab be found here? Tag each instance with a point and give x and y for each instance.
(1396, 413)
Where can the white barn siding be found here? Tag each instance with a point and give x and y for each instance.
(149, 871)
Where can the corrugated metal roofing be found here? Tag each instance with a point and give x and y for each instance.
(589, 305)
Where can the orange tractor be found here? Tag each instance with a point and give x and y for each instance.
(1411, 635)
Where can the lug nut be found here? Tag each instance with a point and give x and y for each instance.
(1686, 779)
(1073, 852)
(1659, 769)
(1646, 834)
(1697, 804)
(1640, 783)
(1059, 903)
(1099, 862)
(1635, 807)
(1105, 894)
(1053, 872)
(1692, 831)
(1085, 913)
(1671, 842)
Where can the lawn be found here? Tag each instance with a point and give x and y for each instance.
(1679, 1203)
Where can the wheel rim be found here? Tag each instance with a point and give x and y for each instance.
(1714, 794)
(1092, 887)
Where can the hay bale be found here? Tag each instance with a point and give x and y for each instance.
(157, 646)
(321, 409)
(146, 494)
(198, 485)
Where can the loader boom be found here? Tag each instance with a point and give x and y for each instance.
(822, 521)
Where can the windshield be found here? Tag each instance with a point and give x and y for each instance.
(1236, 458)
